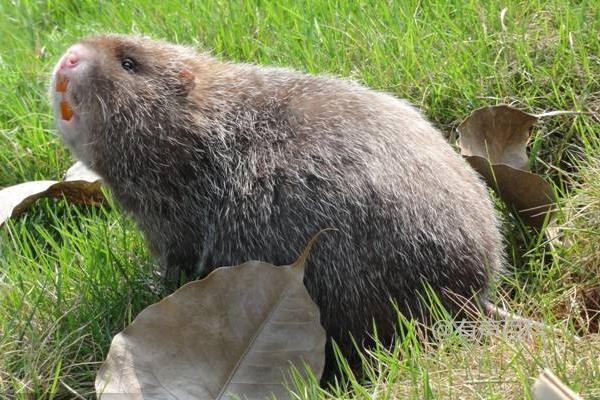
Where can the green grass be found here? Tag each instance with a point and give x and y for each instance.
(72, 277)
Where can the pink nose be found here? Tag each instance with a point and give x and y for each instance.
(71, 59)
(74, 56)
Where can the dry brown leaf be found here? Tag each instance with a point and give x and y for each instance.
(549, 387)
(499, 134)
(494, 141)
(236, 332)
(527, 193)
(80, 185)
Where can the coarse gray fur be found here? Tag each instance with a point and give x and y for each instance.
(237, 162)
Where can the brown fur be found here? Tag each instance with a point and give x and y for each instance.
(221, 163)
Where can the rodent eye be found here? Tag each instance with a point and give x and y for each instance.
(128, 64)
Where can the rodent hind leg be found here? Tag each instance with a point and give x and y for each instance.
(178, 269)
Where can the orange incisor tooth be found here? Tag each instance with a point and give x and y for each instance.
(65, 111)
(61, 83)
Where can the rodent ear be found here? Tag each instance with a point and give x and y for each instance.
(188, 81)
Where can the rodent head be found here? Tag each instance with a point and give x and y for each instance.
(112, 90)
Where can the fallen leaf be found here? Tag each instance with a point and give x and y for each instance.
(527, 193)
(494, 141)
(234, 333)
(80, 185)
(549, 387)
(499, 134)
